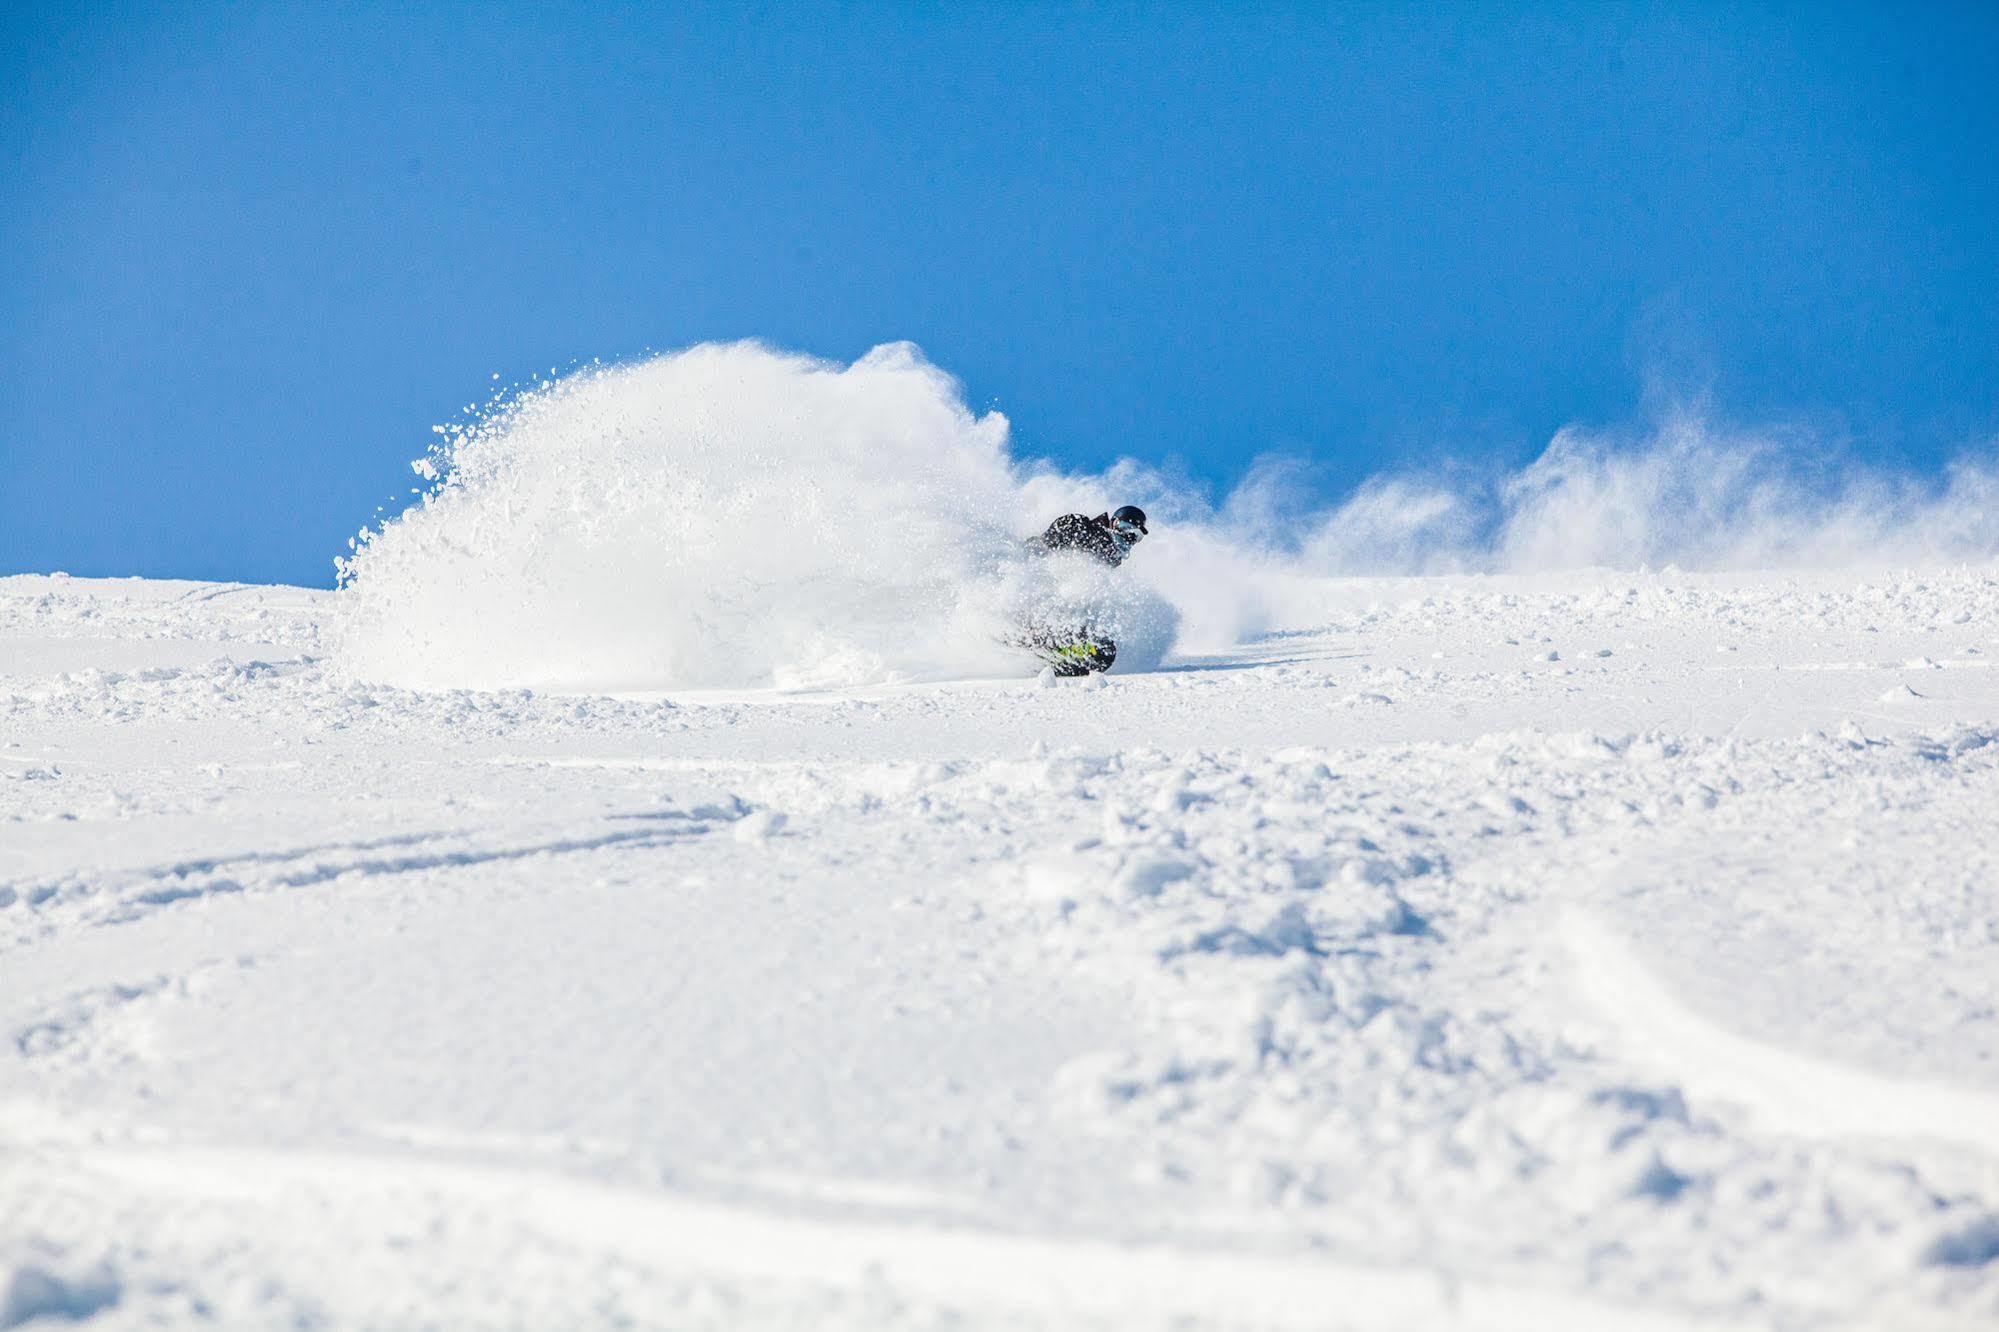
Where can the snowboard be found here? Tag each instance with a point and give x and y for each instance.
(1072, 656)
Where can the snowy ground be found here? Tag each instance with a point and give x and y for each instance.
(1597, 950)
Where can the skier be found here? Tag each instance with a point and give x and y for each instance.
(1107, 538)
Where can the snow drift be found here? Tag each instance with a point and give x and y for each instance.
(729, 515)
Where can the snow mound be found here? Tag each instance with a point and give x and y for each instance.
(725, 516)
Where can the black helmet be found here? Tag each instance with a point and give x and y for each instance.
(1129, 522)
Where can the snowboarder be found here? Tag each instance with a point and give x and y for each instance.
(1107, 538)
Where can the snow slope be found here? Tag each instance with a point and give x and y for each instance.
(1587, 950)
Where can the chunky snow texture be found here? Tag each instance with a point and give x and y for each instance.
(728, 516)
(1580, 951)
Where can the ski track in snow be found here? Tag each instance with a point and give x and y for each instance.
(1797, 1095)
(1585, 950)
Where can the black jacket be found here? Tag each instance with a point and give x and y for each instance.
(1091, 536)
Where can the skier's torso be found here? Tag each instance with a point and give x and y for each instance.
(1090, 536)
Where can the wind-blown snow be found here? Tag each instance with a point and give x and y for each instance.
(1690, 494)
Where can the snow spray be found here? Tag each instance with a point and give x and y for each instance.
(1689, 492)
(729, 516)
(735, 516)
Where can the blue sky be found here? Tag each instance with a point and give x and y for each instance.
(250, 253)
